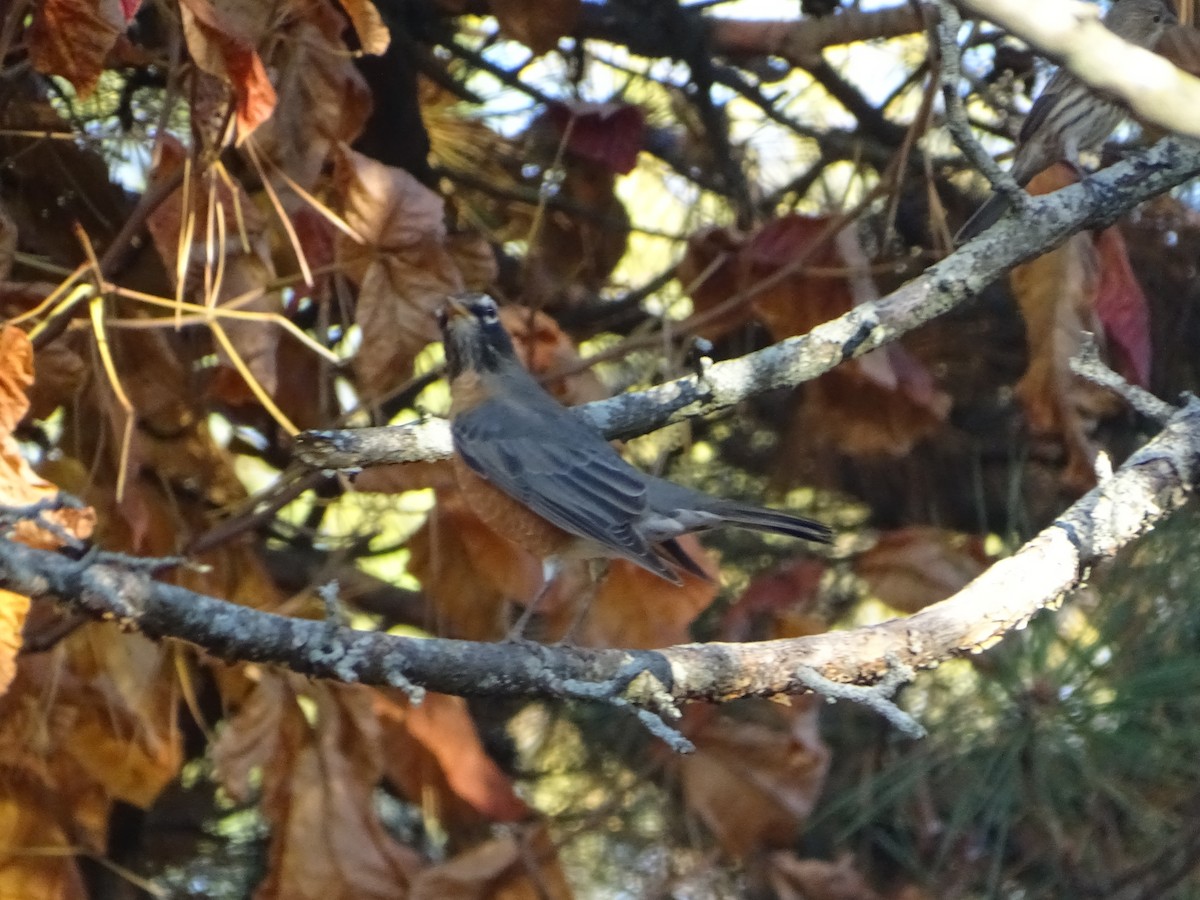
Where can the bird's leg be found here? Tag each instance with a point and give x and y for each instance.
(597, 571)
(550, 569)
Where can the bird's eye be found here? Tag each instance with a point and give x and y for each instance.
(488, 314)
(1157, 19)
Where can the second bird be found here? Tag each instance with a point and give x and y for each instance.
(543, 477)
(1068, 117)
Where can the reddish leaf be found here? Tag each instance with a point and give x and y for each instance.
(882, 404)
(72, 38)
(1123, 309)
(219, 50)
(435, 757)
(611, 134)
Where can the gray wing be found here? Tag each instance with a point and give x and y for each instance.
(552, 461)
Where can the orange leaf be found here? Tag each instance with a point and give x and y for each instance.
(19, 484)
(373, 35)
(757, 771)
(1058, 294)
(14, 608)
(218, 50)
(544, 347)
(435, 757)
(72, 38)
(471, 574)
(36, 858)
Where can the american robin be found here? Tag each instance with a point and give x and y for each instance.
(547, 479)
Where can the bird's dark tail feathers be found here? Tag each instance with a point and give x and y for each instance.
(984, 218)
(759, 519)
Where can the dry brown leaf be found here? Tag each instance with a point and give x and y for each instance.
(434, 756)
(72, 38)
(880, 405)
(404, 272)
(323, 98)
(243, 259)
(571, 256)
(92, 724)
(48, 871)
(318, 788)
(757, 771)
(818, 879)
(778, 604)
(222, 49)
(544, 347)
(538, 24)
(470, 574)
(373, 35)
(508, 867)
(910, 568)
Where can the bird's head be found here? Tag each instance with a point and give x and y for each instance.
(472, 334)
(1141, 22)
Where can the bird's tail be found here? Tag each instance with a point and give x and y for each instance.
(984, 218)
(774, 521)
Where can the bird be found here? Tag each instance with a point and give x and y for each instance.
(1069, 117)
(546, 478)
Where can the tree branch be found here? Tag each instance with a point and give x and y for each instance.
(1044, 223)
(1153, 482)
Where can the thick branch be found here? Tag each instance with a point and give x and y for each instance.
(1045, 222)
(1152, 483)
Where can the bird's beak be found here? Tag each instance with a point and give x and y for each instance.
(454, 309)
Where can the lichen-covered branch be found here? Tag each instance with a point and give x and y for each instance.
(1153, 482)
(1044, 223)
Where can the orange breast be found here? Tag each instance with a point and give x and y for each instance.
(512, 519)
